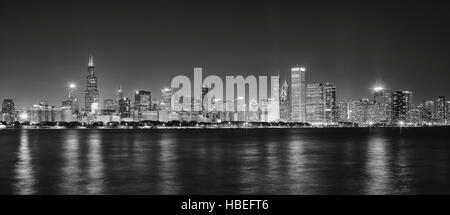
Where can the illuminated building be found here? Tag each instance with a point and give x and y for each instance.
(43, 112)
(298, 95)
(205, 103)
(8, 107)
(274, 100)
(66, 114)
(428, 112)
(330, 112)
(447, 106)
(285, 105)
(166, 99)
(440, 117)
(359, 111)
(124, 107)
(321, 103)
(401, 106)
(142, 100)
(315, 104)
(343, 111)
(379, 109)
(149, 116)
(91, 94)
(110, 107)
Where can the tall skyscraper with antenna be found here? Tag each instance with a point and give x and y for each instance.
(91, 94)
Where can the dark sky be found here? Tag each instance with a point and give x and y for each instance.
(45, 44)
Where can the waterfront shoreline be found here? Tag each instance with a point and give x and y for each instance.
(211, 128)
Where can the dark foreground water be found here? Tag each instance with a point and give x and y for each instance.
(247, 161)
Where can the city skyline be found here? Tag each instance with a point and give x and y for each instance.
(142, 46)
(313, 103)
(76, 90)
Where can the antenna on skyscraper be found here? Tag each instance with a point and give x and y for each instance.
(91, 60)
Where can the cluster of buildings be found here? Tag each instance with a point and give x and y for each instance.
(295, 101)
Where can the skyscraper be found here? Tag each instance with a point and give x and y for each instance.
(321, 103)
(315, 104)
(379, 106)
(427, 112)
(285, 106)
(8, 107)
(344, 111)
(447, 106)
(166, 99)
(359, 111)
(330, 112)
(298, 95)
(440, 110)
(72, 102)
(109, 106)
(124, 107)
(205, 102)
(91, 94)
(142, 100)
(274, 100)
(400, 106)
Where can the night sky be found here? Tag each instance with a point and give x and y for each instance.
(45, 45)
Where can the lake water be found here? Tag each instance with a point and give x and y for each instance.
(226, 161)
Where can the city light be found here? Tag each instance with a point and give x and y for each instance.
(296, 69)
(72, 86)
(378, 88)
(23, 116)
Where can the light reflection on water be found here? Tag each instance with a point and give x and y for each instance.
(72, 175)
(24, 167)
(167, 165)
(258, 161)
(377, 166)
(95, 166)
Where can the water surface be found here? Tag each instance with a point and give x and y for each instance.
(226, 161)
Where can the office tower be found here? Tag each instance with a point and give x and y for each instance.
(415, 114)
(440, 110)
(315, 104)
(110, 106)
(91, 94)
(321, 103)
(166, 99)
(343, 111)
(124, 107)
(43, 112)
(66, 114)
(205, 103)
(142, 100)
(8, 107)
(72, 103)
(428, 112)
(359, 111)
(330, 108)
(285, 105)
(298, 95)
(379, 108)
(401, 106)
(447, 106)
(274, 100)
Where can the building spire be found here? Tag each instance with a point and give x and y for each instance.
(91, 61)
